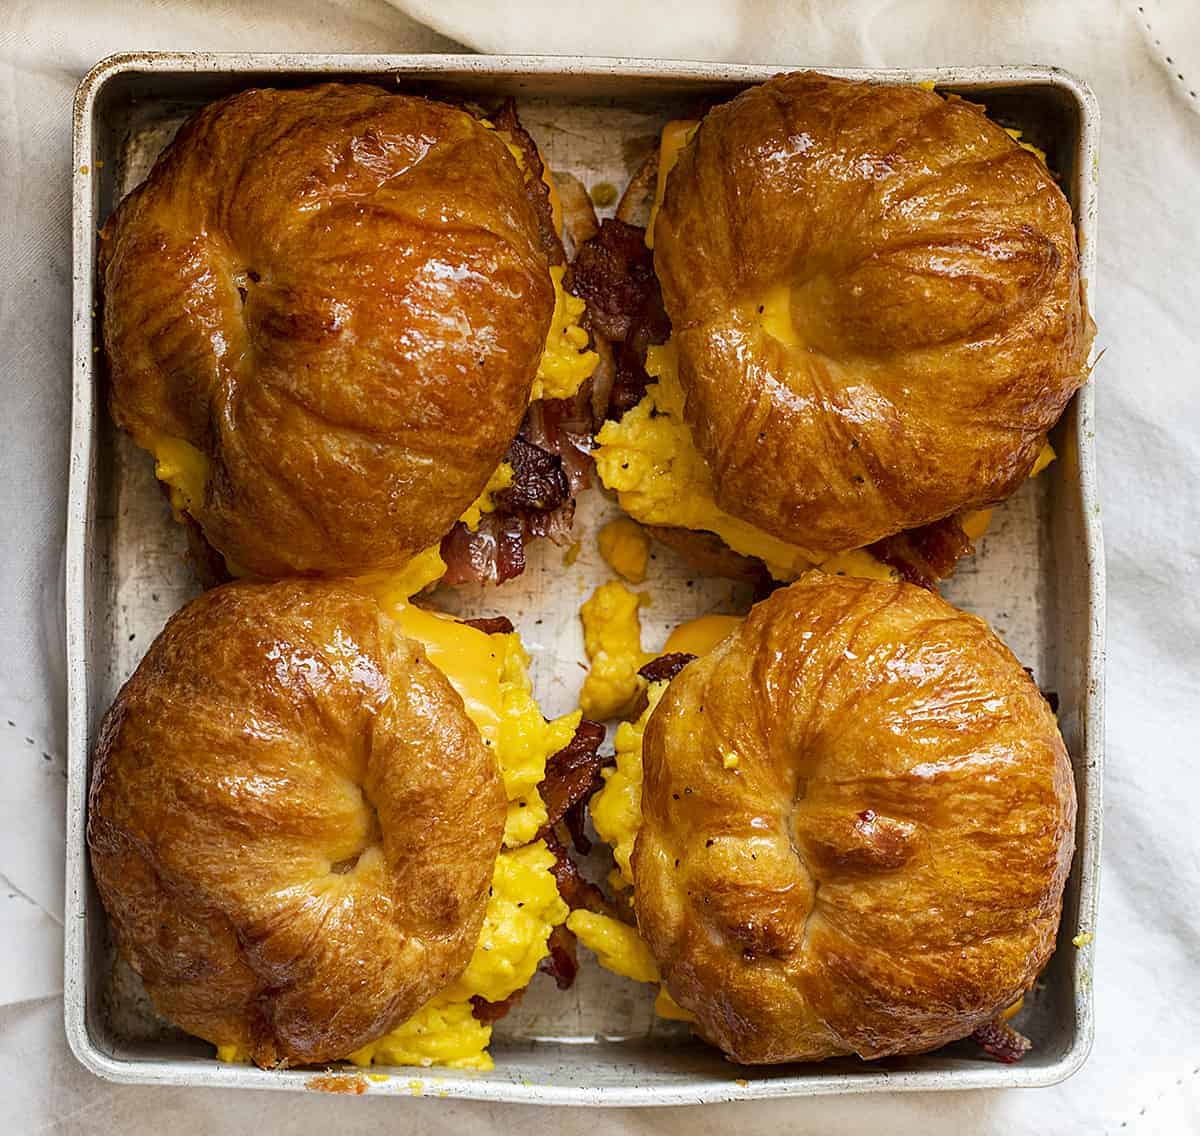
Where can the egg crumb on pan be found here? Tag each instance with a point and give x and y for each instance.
(612, 640)
(490, 674)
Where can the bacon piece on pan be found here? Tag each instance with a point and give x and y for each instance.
(925, 555)
(1000, 1041)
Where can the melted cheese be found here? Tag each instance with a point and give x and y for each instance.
(612, 634)
(183, 469)
(625, 548)
(699, 636)
(675, 135)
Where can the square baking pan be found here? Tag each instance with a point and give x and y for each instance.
(1038, 577)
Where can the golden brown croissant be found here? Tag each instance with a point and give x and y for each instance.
(876, 306)
(293, 822)
(327, 307)
(857, 824)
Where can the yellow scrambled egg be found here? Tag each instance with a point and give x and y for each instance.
(612, 640)
(566, 362)
(616, 812)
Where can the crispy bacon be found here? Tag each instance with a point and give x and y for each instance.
(539, 483)
(484, 1011)
(507, 122)
(573, 774)
(1000, 1041)
(924, 555)
(666, 666)
(614, 276)
(495, 552)
(491, 624)
(561, 963)
(576, 890)
(563, 427)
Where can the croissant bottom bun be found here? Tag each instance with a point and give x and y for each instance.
(858, 822)
(876, 304)
(328, 306)
(293, 823)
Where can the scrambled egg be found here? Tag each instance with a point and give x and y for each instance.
(523, 908)
(612, 640)
(616, 812)
(566, 362)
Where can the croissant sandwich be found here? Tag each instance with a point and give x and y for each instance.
(847, 827)
(317, 824)
(326, 312)
(863, 314)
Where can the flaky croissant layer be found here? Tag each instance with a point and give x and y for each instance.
(858, 820)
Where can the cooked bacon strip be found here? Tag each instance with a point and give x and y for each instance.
(485, 1011)
(495, 552)
(925, 555)
(507, 122)
(563, 427)
(562, 962)
(491, 624)
(577, 891)
(614, 275)
(666, 666)
(1000, 1041)
(573, 774)
(539, 483)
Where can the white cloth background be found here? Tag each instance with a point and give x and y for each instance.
(1142, 60)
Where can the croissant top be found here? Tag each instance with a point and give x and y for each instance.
(334, 300)
(293, 822)
(876, 304)
(858, 820)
